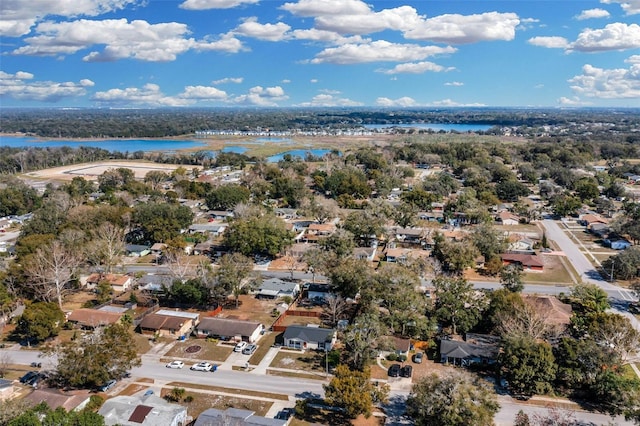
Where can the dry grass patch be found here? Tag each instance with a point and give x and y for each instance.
(133, 389)
(308, 376)
(250, 309)
(301, 361)
(203, 401)
(232, 391)
(209, 351)
(264, 344)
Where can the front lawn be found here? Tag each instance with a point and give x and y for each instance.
(302, 361)
(200, 350)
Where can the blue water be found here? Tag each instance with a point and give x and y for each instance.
(235, 149)
(435, 127)
(298, 153)
(121, 145)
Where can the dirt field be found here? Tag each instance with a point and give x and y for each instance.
(91, 171)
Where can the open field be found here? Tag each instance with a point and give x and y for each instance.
(91, 171)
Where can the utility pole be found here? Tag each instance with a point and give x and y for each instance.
(612, 263)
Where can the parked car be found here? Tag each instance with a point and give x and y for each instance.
(201, 366)
(36, 364)
(249, 349)
(406, 371)
(417, 358)
(107, 386)
(30, 375)
(284, 414)
(240, 346)
(175, 364)
(394, 370)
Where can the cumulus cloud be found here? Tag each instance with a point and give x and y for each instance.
(122, 39)
(602, 83)
(552, 42)
(330, 100)
(203, 93)
(262, 96)
(214, 4)
(415, 68)
(575, 101)
(452, 103)
(631, 7)
(635, 59)
(616, 36)
(149, 94)
(378, 51)
(404, 101)
(236, 80)
(17, 16)
(454, 83)
(310, 8)
(592, 14)
(19, 86)
(270, 32)
(460, 29)
(324, 36)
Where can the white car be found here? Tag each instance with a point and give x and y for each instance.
(202, 366)
(175, 364)
(240, 346)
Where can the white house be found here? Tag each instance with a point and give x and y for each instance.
(309, 337)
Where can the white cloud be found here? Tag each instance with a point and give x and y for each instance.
(324, 36)
(592, 14)
(329, 100)
(635, 59)
(452, 103)
(616, 36)
(602, 83)
(631, 7)
(214, 4)
(415, 68)
(122, 39)
(378, 51)
(454, 83)
(270, 32)
(148, 95)
(310, 8)
(527, 23)
(313, 80)
(19, 86)
(401, 18)
(575, 101)
(203, 93)
(404, 101)
(453, 28)
(286, 81)
(262, 96)
(18, 16)
(549, 42)
(236, 80)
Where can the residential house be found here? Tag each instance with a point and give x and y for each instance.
(318, 291)
(119, 282)
(213, 229)
(309, 337)
(157, 248)
(166, 322)
(235, 417)
(229, 329)
(529, 262)
(402, 346)
(286, 213)
(478, 349)
(219, 214)
(316, 231)
(92, 318)
(432, 216)
(144, 410)
(409, 236)
(589, 219)
(397, 255)
(5, 224)
(365, 253)
(273, 288)
(155, 282)
(554, 311)
(521, 244)
(54, 398)
(136, 250)
(599, 229)
(507, 218)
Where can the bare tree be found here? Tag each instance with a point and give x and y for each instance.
(5, 361)
(50, 269)
(292, 263)
(531, 319)
(108, 245)
(334, 310)
(179, 263)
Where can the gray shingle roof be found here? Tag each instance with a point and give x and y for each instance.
(308, 334)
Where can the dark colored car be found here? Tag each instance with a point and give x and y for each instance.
(284, 414)
(30, 375)
(417, 358)
(107, 386)
(406, 371)
(394, 370)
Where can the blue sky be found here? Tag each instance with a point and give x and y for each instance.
(324, 53)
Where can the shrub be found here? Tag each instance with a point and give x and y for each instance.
(392, 356)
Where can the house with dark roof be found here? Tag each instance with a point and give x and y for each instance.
(169, 323)
(529, 262)
(142, 410)
(155, 282)
(273, 288)
(479, 349)
(229, 329)
(309, 337)
(234, 417)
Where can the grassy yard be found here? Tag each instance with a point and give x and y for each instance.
(301, 361)
(209, 351)
(317, 376)
(264, 344)
(204, 401)
(229, 390)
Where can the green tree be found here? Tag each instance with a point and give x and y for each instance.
(104, 291)
(349, 276)
(234, 268)
(589, 298)
(107, 353)
(455, 256)
(587, 189)
(488, 240)
(188, 292)
(527, 365)
(452, 400)
(353, 391)
(258, 234)
(624, 265)
(457, 303)
(226, 197)
(360, 339)
(511, 190)
(39, 321)
(511, 277)
(341, 243)
(160, 222)
(348, 180)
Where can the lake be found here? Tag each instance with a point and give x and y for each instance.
(122, 145)
(436, 127)
(298, 153)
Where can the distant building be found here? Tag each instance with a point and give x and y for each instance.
(146, 410)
